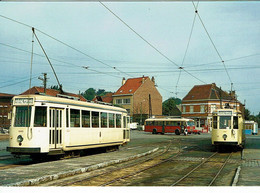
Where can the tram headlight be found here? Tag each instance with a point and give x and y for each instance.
(224, 136)
(20, 138)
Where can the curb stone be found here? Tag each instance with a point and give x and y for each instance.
(47, 178)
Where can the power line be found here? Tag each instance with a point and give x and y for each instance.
(148, 41)
(194, 19)
(75, 49)
(196, 11)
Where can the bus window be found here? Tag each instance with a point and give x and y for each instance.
(215, 122)
(74, 118)
(225, 122)
(22, 116)
(118, 120)
(235, 122)
(40, 118)
(111, 120)
(95, 119)
(104, 120)
(85, 118)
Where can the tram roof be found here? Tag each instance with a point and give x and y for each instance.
(66, 101)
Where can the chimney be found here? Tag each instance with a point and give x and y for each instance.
(123, 81)
(153, 80)
(143, 79)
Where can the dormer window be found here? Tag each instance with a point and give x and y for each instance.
(130, 90)
(121, 91)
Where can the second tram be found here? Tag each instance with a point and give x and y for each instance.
(228, 128)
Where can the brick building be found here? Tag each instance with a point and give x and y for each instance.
(202, 100)
(133, 95)
(5, 108)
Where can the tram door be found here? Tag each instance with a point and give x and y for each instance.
(55, 133)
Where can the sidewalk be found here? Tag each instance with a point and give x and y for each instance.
(48, 171)
(249, 174)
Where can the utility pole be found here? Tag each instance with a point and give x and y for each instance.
(150, 106)
(220, 98)
(44, 79)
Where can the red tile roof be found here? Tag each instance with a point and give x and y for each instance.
(106, 98)
(208, 91)
(50, 92)
(5, 95)
(130, 86)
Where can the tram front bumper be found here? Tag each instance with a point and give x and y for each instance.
(23, 150)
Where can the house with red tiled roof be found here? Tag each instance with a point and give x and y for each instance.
(5, 108)
(202, 100)
(53, 92)
(107, 98)
(134, 94)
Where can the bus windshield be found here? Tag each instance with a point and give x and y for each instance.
(190, 123)
(22, 116)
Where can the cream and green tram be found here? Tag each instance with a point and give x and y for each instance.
(228, 128)
(53, 125)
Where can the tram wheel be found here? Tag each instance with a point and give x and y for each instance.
(154, 131)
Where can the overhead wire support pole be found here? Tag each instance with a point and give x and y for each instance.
(30, 83)
(48, 60)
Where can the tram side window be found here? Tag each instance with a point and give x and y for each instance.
(124, 121)
(104, 120)
(111, 120)
(235, 122)
(74, 118)
(85, 118)
(225, 122)
(118, 120)
(215, 122)
(40, 118)
(22, 116)
(95, 119)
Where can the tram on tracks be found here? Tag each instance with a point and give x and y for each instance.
(228, 128)
(46, 125)
(169, 125)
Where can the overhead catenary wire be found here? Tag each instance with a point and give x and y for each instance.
(223, 62)
(151, 45)
(186, 50)
(71, 47)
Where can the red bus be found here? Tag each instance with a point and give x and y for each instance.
(169, 125)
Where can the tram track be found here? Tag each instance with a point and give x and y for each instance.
(187, 182)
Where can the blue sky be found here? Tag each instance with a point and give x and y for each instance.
(90, 28)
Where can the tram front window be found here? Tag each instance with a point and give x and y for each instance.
(40, 118)
(215, 122)
(22, 116)
(225, 122)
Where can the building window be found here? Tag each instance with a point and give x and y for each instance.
(202, 108)
(191, 109)
(126, 101)
(212, 108)
(118, 101)
(183, 109)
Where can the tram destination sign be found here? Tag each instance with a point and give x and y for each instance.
(23, 101)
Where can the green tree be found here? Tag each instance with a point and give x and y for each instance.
(169, 107)
(89, 94)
